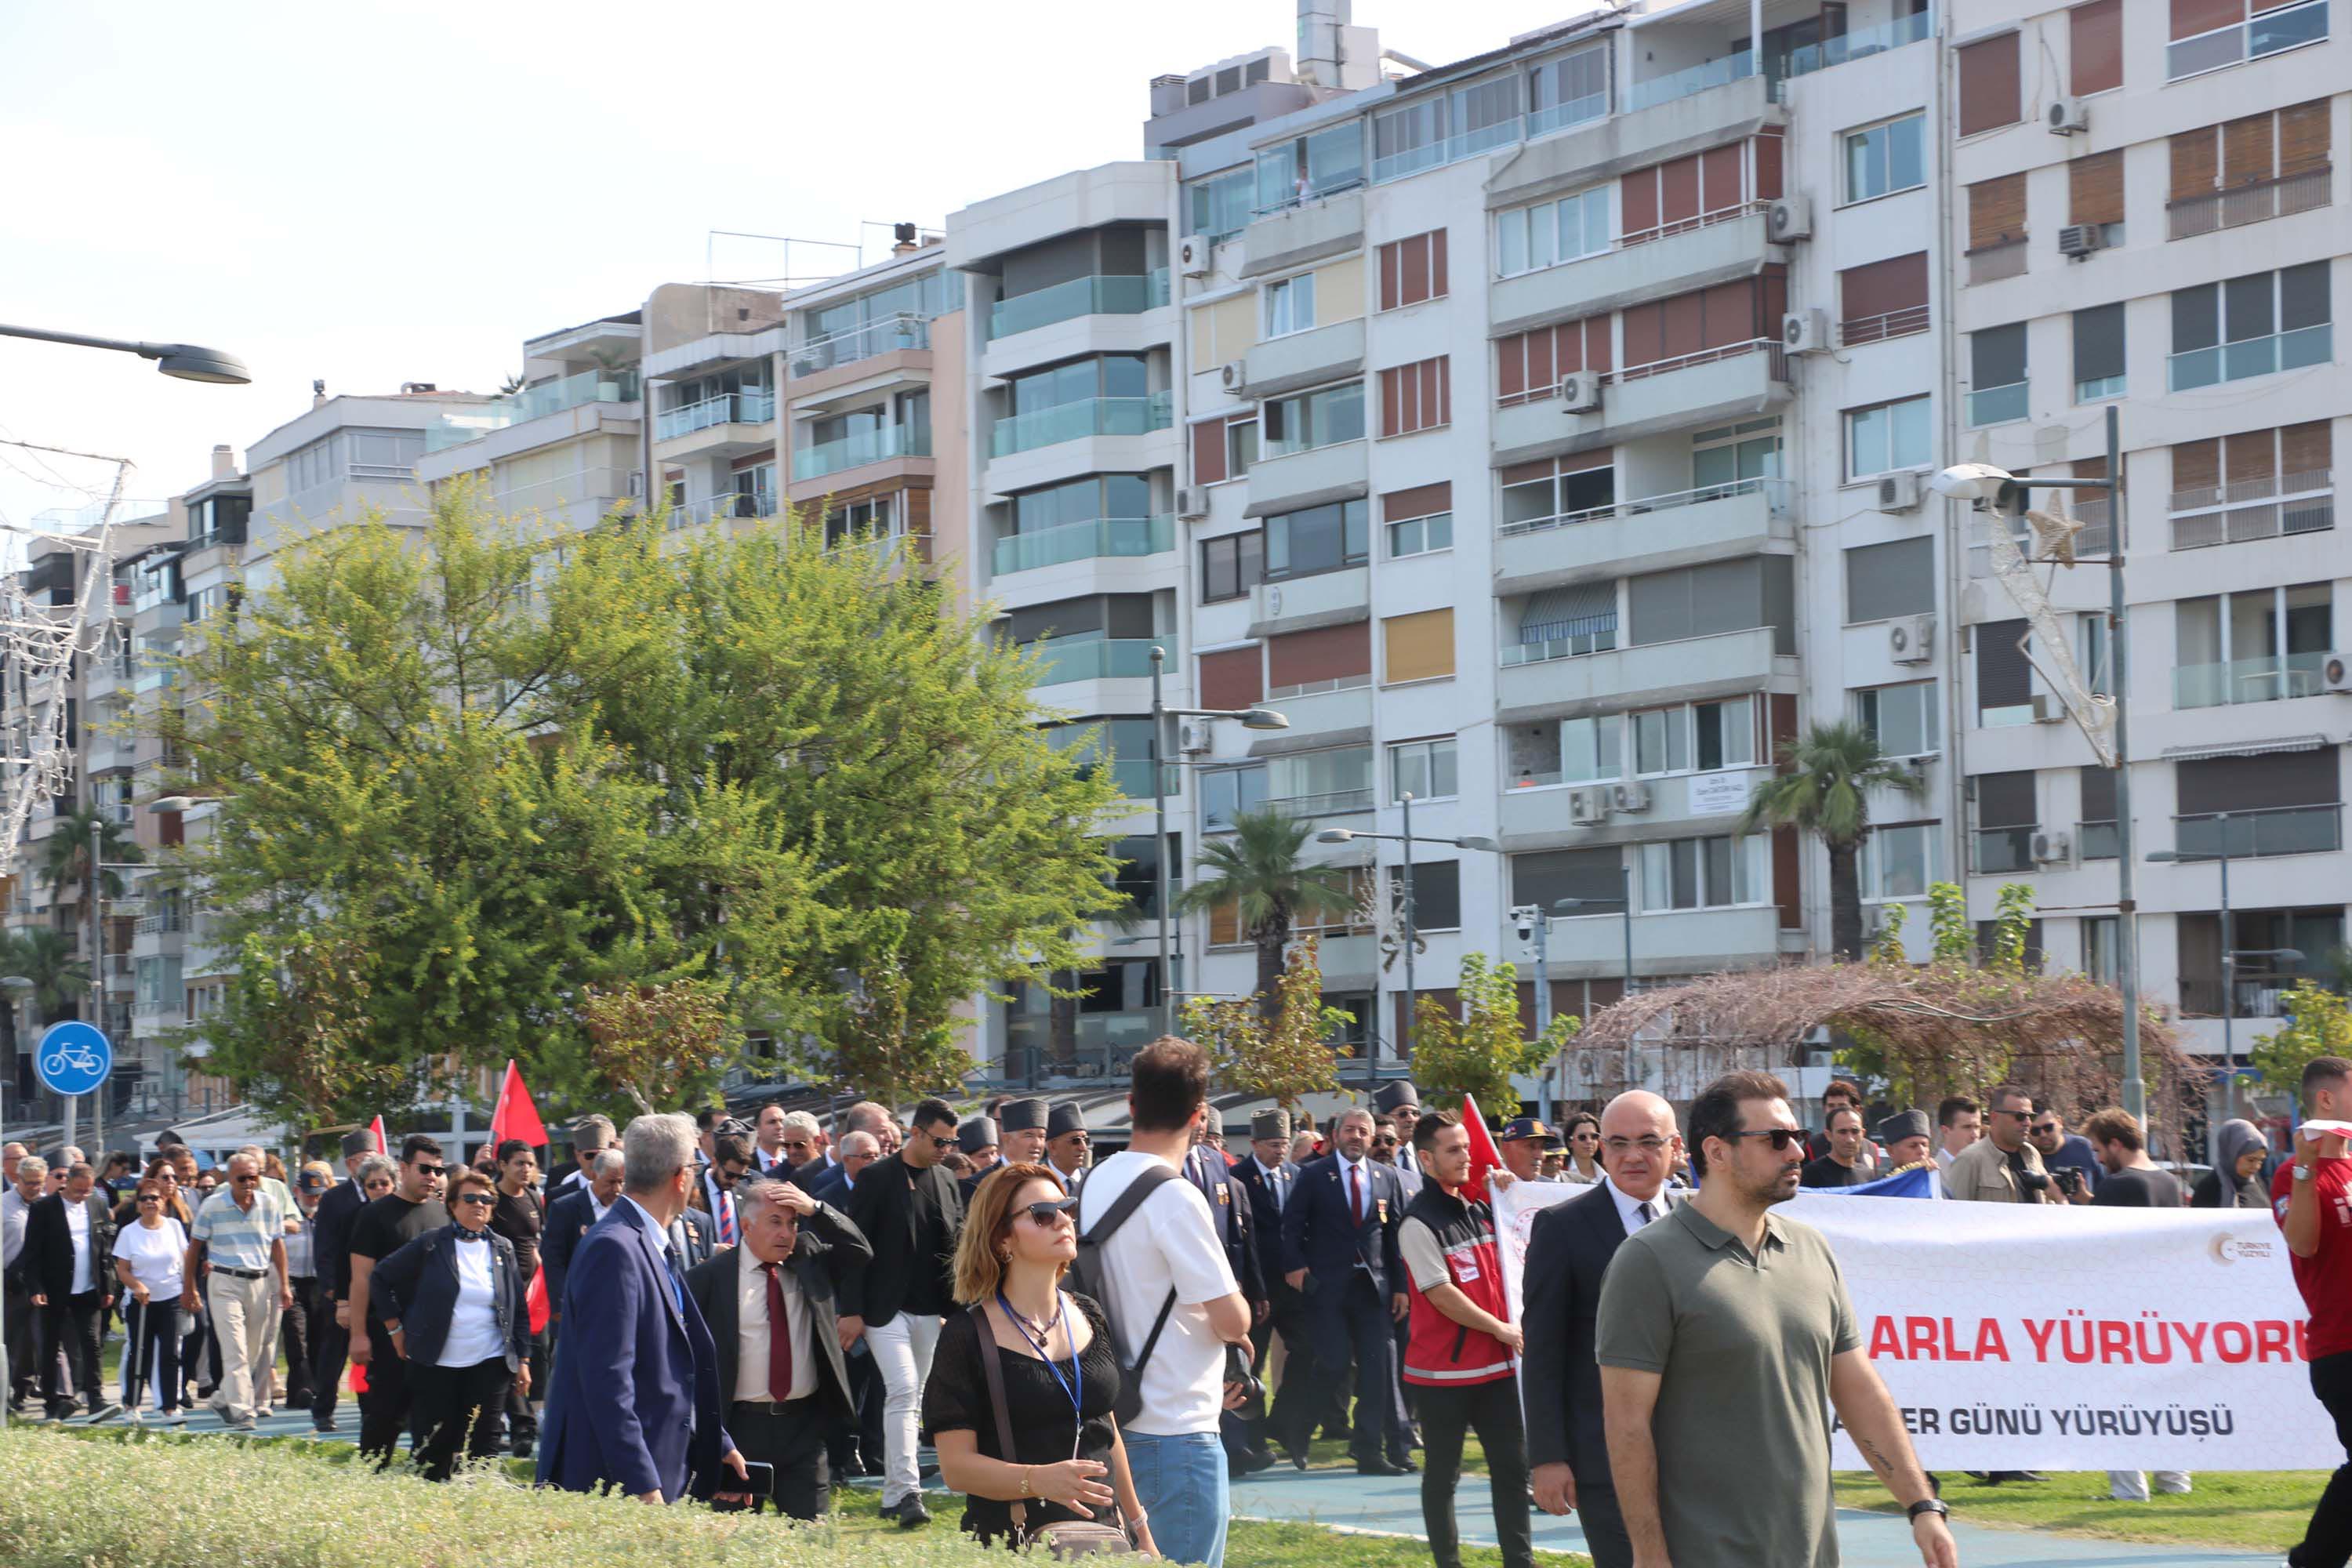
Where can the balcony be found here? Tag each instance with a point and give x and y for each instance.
(2097, 840)
(1860, 43)
(532, 403)
(891, 334)
(2002, 851)
(1315, 599)
(756, 406)
(2257, 834)
(2228, 682)
(1077, 421)
(1690, 80)
(1692, 253)
(1665, 942)
(1564, 673)
(1103, 538)
(1094, 1045)
(159, 924)
(1732, 381)
(1887, 324)
(717, 508)
(2202, 998)
(2265, 33)
(1097, 296)
(2249, 357)
(2241, 204)
(875, 445)
(2268, 507)
(1133, 777)
(1330, 803)
(1997, 404)
(1712, 523)
(1108, 658)
(2096, 538)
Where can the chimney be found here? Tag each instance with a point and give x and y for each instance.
(318, 393)
(905, 237)
(224, 461)
(1319, 22)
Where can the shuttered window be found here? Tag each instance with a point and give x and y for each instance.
(2303, 139)
(1597, 875)
(1413, 271)
(1416, 397)
(2098, 352)
(1208, 452)
(2273, 145)
(2190, 17)
(1721, 317)
(1990, 95)
(1681, 191)
(1437, 894)
(2004, 678)
(2094, 188)
(2250, 783)
(2095, 47)
(1883, 298)
(1996, 212)
(1418, 646)
(1883, 581)
(1529, 365)
(2098, 786)
(1232, 679)
(1327, 656)
(1703, 601)
(2196, 163)
(2006, 800)
(2306, 450)
(2293, 460)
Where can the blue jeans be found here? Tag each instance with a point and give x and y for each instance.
(1181, 1481)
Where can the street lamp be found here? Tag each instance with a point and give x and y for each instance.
(1408, 839)
(2003, 492)
(185, 361)
(1249, 719)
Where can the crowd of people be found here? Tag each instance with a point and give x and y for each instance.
(747, 1312)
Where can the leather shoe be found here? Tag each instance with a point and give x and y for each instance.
(909, 1512)
(1297, 1454)
(1257, 1459)
(1405, 1463)
(1378, 1467)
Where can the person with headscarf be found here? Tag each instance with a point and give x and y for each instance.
(2236, 1180)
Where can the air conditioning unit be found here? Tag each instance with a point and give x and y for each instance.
(2081, 239)
(1587, 807)
(1579, 394)
(1805, 332)
(2334, 674)
(1791, 217)
(1192, 254)
(1912, 640)
(2052, 848)
(2048, 710)
(2067, 116)
(1192, 501)
(1232, 375)
(1898, 491)
(1192, 737)
(1630, 796)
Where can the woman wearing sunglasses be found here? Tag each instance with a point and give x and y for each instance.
(1059, 1375)
(452, 1301)
(1582, 1166)
(150, 1258)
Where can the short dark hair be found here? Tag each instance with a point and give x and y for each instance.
(1952, 1107)
(1167, 1084)
(1845, 1087)
(706, 1119)
(1716, 1113)
(1380, 1121)
(2115, 1125)
(509, 1147)
(1838, 1110)
(930, 1112)
(418, 1143)
(2321, 1071)
(1568, 1129)
(731, 1146)
(766, 1106)
(2006, 1092)
(1432, 1124)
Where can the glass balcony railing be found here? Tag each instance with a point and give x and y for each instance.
(875, 445)
(2248, 510)
(1573, 111)
(1129, 295)
(1074, 421)
(532, 403)
(2266, 33)
(1102, 538)
(1997, 404)
(1858, 44)
(1110, 658)
(2293, 350)
(2227, 682)
(1998, 851)
(1563, 639)
(2251, 834)
(851, 344)
(1692, 79)
(754, 405)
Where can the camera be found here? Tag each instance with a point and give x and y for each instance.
(2070, 1180)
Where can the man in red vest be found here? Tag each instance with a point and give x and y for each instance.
(1458, 1358)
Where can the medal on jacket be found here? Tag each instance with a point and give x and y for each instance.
(1224, 1194)
(1383, 1205)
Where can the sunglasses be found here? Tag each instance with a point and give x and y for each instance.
(2019, 1115)
(1052, 1209)
(151, 1197)
(431, 1170)
(482, 1198)
(1783, 1138)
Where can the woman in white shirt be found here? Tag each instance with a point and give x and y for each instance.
(149, 1254)
(1582, 1167)
(453, 1302)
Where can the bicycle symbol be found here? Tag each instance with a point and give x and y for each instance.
(79, 1059)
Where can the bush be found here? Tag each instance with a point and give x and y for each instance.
(136, 1499)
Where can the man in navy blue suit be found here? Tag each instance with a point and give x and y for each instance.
(635, 1404)
(1339, 1246)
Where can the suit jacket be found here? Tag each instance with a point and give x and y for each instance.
(1265, 1215)
(1409, 1178)
(825, 1180)
(633, 1400)
(48, 1248)
(1569, 1249)
(694, 1236)
(419, 1281)
(566, 1224)
(1229, 1211)
(1321, 1235)
(828, 1247)
(883, 1209)
(330, 1235)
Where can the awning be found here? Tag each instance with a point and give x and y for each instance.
(2247, 747)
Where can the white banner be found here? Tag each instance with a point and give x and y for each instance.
(2062, 1338)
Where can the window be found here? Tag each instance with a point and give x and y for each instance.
(1901, 718)
(1988, 95)
(2258, 484)
(1313, 783)
(1703, 737)
(1899, 862)
(1886, 159)
(2263, 166)
(1565, 623)
(1529, 365)
(1998, 391)
(2095, 818)
(1735, 454)
(1714, 872)
(1996, 228)
(1417, 396)
(1221, 449)
(1889, 436)
(1883, 581)
(1329, 659)
(1233, 677)
(1218, 206)
(1324, 418)
(873, 517)
(2290, 803)
(1420, 519)
(1706, 601)
(1409, 139)
(1589, 875)
(1122, 744)
(2255, 646)
(1537, 496)
(2095, 47)
(1568, 90)
(1424, 770)
(2091, 652)
(2102, 935)
(1437, 894)
(1095, 498)
(1528, 239)
(2209, 33)
(2095, 195)
(1306, 167)
(2256, 325)
(1289, 305)
(1228, 792)
(1319, 539)
(1589, 749)
(1694, 190)
(1413, 271)
(2004, 675)
(1686, 329)
(1232, 565)
(1420, 646)
(2099, 353)
(1884, 299)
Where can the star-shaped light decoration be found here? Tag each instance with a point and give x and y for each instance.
(2054, 536)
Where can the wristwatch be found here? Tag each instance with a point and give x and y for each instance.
(1930, 1505)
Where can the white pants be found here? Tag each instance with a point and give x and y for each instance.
(2131, 1486)
(242, 1314)
(902, 1349)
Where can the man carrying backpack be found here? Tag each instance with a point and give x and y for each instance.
(1162, 1275)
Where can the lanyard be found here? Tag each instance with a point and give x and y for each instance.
(1074, 1386)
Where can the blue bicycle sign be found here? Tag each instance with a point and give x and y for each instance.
(73, 1058)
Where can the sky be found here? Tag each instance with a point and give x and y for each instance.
(369, 194)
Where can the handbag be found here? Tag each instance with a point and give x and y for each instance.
(1067, 1539)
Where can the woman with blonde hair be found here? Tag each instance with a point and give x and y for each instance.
(1058, 1374)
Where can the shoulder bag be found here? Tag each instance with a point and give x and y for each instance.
(1064, 1538)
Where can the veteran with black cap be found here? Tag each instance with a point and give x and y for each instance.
(1020, 1131)
(1401, 1102)
(1906, 1138)
(1066, 1145)
(977, 1137)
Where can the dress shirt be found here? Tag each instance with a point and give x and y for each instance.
(1355, 1180)
(1275, 1183)
(768, 1162)
(753, 1334)
(11, 1227)
(670, 1250)
(724, 1216)
(78, 1227)
(472, 1336)
(1629, 1209)
(596, 1211)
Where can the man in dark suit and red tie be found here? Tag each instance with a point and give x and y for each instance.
(1340, 1247)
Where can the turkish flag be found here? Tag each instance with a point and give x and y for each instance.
(377, 1127)
(1483, 1156)
(534, 1301)
(516, 1116)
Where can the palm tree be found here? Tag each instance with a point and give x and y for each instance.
(1823, 789)
(1257, 870)
(64, 857)
(46, 958)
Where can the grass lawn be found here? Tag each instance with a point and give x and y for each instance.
(2255, 1511)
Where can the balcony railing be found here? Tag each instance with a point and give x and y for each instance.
(878, 445)
(1999, 851)
(1562, 639)
(2255, 202)
(888, 335)
(146, 1007)
(2264, 32)
(532, 403)
(2265, 508)
(1112, 659)
(2095, 539)
(1886, 324)
(1317, 687)
(1709, 356)
(2269, 830)
(1330, 803)
(159, 925)
(711, 509)
(1997, 404)
(1666, 88)
(2227, 682)
(1074, 421)
(1105, 537)
(752, 406)
(1858, 44)
(1776, 489)
(2248, 357)
(1992, 263)
(1129, 295)
(2097, 840)
(2202, 998)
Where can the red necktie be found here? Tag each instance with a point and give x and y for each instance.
(779, 1339)
(1356, 1191)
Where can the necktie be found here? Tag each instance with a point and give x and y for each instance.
(726, 1217)
(1274, 1180)
(779, 1339)
(1649, 1211)
(677, 1285)
(1356, 1191)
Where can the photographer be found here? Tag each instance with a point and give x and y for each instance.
(2003, 1167)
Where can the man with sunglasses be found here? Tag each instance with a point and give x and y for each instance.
(412, 1208)
(1726, 1338)
(2003, 1166)
(239, 1250)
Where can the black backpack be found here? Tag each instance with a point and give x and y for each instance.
(1090, 1277)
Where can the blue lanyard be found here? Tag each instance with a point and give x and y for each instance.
(1075, 1386)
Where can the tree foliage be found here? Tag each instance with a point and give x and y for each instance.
(1479, 1052)
(1285, 1052)
(1823, 789)
(1259, 870)
(664, 1042)
(2319, 1023)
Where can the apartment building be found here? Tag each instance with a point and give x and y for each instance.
(566, 447)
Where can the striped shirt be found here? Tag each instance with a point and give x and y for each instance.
(239, 1238)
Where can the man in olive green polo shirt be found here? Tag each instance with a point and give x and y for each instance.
(1725, 1337)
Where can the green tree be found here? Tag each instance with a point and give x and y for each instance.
(2319, 1023)
(65, 854)
(46, 958)
(1480, 1052)
(1257, 869)
(1284, 1054)
(1823, 789)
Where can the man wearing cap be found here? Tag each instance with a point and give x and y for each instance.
(1020, 1131)
(1521, 1144)
(1903, 1136)
(1340, 1247)
(1269, 1179)
(1401, 1102)
(330, 1234)
(1066, 1145)
(591, 1136)
(976, 1136)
